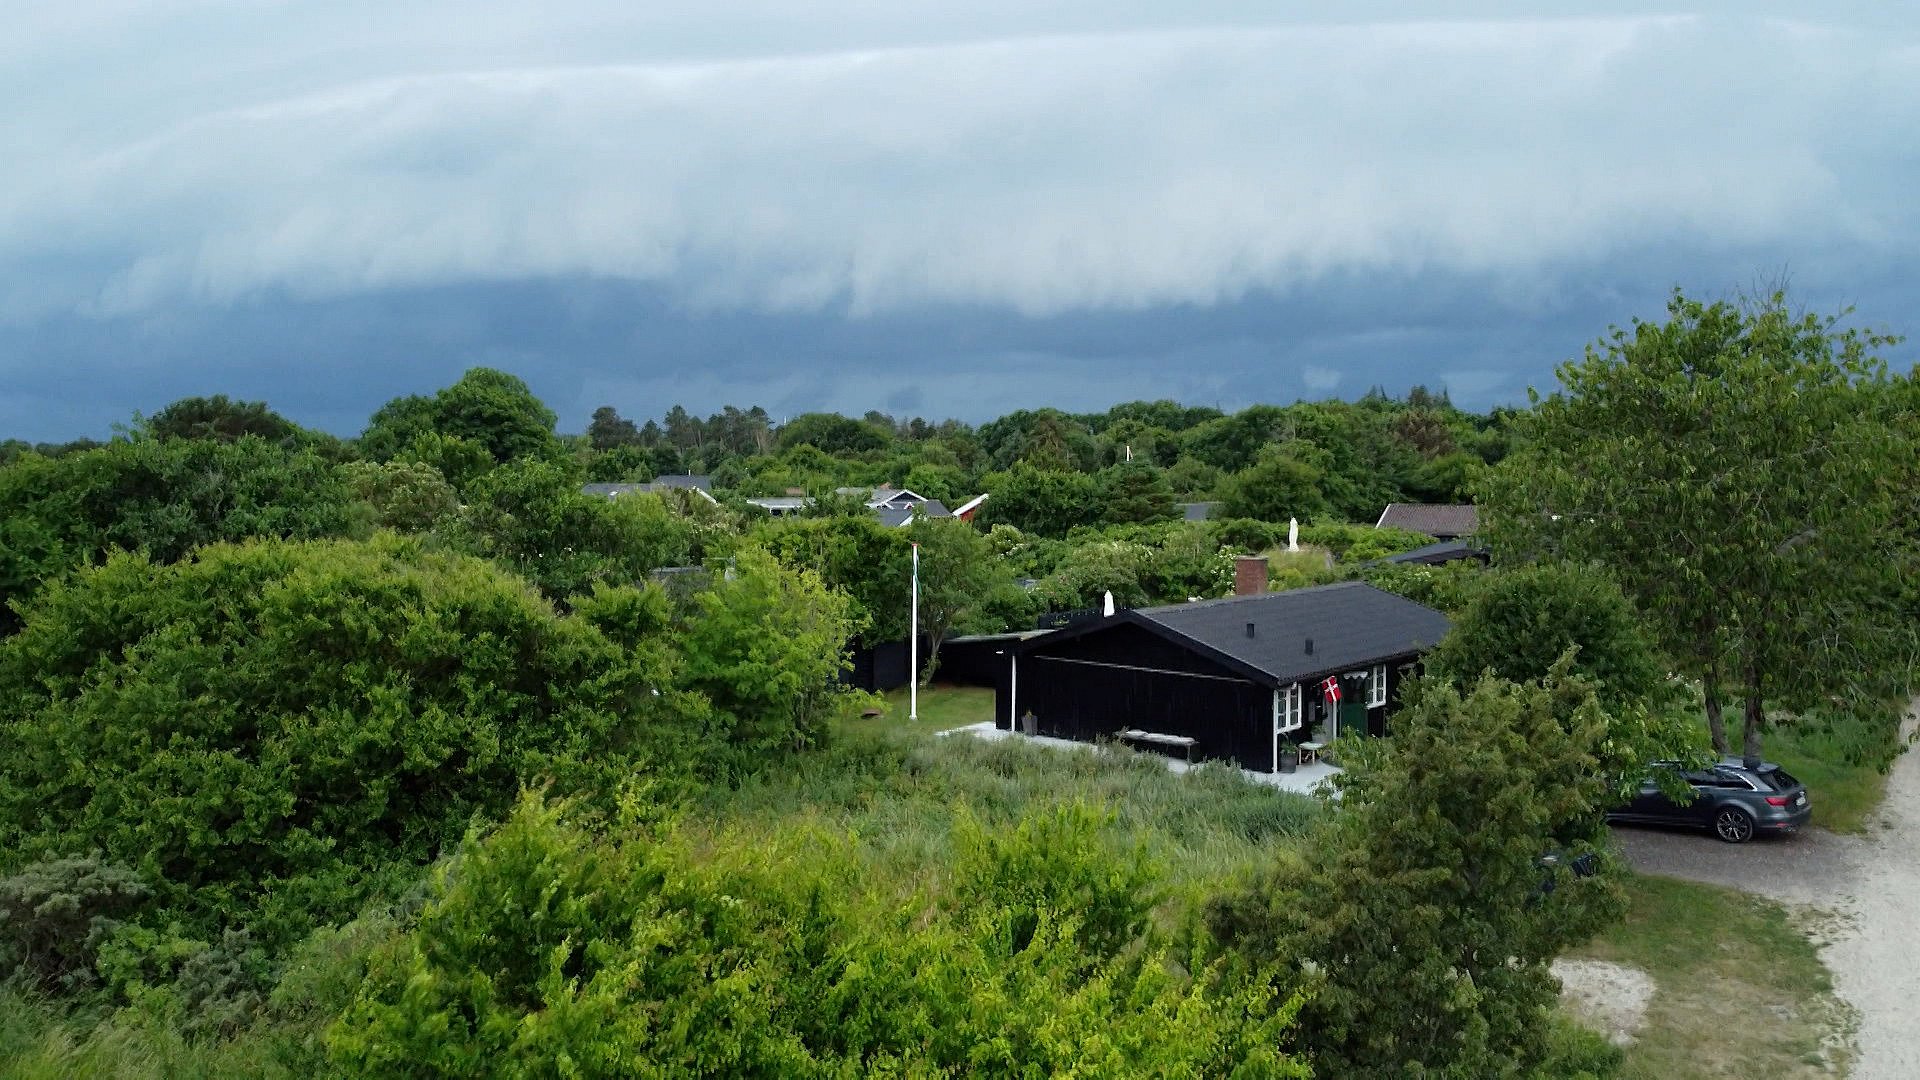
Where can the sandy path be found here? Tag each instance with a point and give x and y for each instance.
(1871, 882)
(1876, 958)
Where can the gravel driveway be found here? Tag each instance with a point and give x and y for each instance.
(1871, 882)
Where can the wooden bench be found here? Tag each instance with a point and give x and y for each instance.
(1154, 738)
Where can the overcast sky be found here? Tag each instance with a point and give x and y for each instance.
(941, 208)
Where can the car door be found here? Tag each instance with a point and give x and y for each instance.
(1649, 803)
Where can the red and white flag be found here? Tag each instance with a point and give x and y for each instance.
(1331, 688)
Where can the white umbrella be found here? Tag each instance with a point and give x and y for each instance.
(1108, 608)
(1293, 534)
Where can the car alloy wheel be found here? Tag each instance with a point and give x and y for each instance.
(1733, 825)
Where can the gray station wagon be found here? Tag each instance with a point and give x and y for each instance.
(1729, 798)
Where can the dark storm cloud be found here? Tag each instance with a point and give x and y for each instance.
(925, 207)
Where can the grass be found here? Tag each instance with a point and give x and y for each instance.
(941, 707)
(1844, 792)
(899, 791)
(1739, 988)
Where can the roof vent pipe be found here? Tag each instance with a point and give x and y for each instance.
(1249, 629)
(1309, 646)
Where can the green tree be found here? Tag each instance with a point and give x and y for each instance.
(856, 555)
(766, 645)
(1738, 469)
(162, 497)
(408, 496)
(219, 418)
(958, 574)
(488, 409)
(531, 515)
(1423, 909)
(831, 433)
(272, 731)
(1041, 502)
(1278, 487)
(1134, 492)
(609, 430)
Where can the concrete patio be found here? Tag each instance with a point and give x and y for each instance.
(1303, 781)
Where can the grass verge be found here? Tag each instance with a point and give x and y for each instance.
(1739, 988)
(1844, 793)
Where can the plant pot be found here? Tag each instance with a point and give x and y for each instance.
(1289, 760)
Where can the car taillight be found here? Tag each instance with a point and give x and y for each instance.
(1778, 800)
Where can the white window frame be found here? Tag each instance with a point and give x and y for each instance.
(1292, 715)
(1377, 686)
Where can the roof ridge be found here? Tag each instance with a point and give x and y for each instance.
(1219, 601)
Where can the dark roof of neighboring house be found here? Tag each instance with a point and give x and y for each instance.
(1352, 625)
(684, 480)
(1442, 521)
(892, 516)
(1444, 551)
(1197, 511)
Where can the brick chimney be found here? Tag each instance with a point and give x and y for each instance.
(1249, 575)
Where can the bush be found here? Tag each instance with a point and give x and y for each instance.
(1421, 908)
(55, 915)
(273, 731)
(547, 952)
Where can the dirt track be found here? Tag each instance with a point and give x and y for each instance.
(1871, 882)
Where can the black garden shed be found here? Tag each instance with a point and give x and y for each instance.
(1236, 676)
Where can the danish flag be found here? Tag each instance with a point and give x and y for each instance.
(1331, 688)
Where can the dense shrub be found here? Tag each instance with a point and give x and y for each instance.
(1361, 543)
(161, 497)
(267, 729)
(1519, 621)
(55, 915)
(546, 952)
(1423, 909)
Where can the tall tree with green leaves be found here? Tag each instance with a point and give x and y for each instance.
(957, 575)
(1740, 470)
(1424, 908)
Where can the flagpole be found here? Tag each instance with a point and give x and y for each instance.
(913, 644)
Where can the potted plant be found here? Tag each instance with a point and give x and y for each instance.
(1289, 757)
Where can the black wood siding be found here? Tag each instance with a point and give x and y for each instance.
(1125, 677)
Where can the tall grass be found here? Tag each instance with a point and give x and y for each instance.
(901, 795)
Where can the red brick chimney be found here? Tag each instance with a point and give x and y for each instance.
(1249, 575)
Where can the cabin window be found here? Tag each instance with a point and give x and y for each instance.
(1292, 708)
(1377, 686)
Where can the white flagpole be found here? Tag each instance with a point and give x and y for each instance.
(913, 644)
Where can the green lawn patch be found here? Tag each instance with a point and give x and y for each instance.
(1739, 988)
(941, 707)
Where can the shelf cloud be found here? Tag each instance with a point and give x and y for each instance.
(184, 159)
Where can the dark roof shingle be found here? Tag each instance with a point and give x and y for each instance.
(1352, 624)
(1442, 521)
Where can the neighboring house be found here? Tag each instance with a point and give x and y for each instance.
(971, 507)
(1442, 521)
(1444, 551)
(1232, 679)
(781, 505)
(701, 484)
(892, 507)
(1197, 511)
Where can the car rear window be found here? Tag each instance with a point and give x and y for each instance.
(1779, 779)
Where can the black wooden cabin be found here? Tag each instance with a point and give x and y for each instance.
(1238, 676)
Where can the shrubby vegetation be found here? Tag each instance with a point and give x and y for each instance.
(386, 756)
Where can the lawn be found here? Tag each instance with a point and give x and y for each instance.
(941, 707)
(1739, 988)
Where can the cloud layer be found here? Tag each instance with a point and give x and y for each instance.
(1044, 174)
(856, 161)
